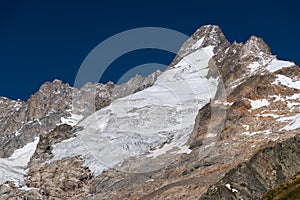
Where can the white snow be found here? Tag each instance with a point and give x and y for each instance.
(247, 127)
(225, 103)
(284, 119)
(237, 82)
(232, 189)
(292, 104)
(277, 98)
(211, 135)
(184, 149)
(13, 168)
(258, 103)
(72, 120)
(228, 186)
(253, 67)
(210, 145)
(18, 105)
(266, 132)
(170, 148)
(284, 80)
(198, 44)
(294, 124)
(162, 115)
(278, 64)
(19, 132)
(295, 96)
(57, 92)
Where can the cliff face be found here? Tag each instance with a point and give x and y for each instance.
(242, 142)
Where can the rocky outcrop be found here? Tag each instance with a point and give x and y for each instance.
(289, 190)
(135, 84)
(31, 118)
(266, 169)
(43, 150)
(61, 180)
(64, 179)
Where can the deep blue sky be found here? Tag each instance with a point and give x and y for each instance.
(44, 40)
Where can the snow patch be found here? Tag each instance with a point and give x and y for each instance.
(284, 80)
(292, 104)
(170, 148)
(253, 67)
(258, 103)
(295, 96)
(266, 132)
(198, 44)
(247, 127)
(232, 189)
(13, 168)
(293, 125)
(225, 103)
(276, 65)
(72, 120)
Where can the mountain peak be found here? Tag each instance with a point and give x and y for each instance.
(207, 35)
(211, 35)
(256, 45)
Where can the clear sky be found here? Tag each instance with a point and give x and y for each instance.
(45, 40)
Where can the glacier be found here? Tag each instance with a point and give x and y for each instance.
(151, 122)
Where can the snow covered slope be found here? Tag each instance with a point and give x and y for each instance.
(13, 168)
(160, 117)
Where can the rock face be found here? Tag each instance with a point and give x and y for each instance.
(245, 140)
(64, 179)
(265, 170)
(39, 114)
(209, 35)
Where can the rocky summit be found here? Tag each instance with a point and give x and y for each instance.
(221, 122)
